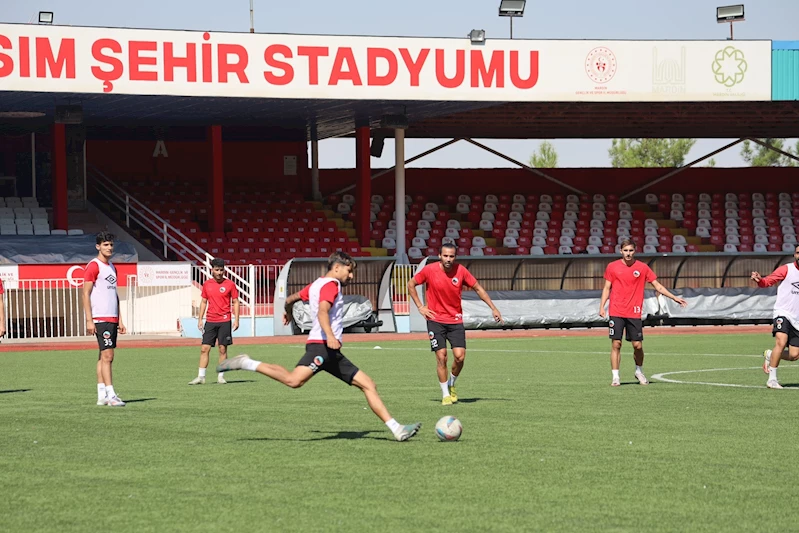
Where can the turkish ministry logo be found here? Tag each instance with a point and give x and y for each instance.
(729, 66)
(600, 65)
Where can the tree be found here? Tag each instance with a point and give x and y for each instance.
(711, 163)
(637, 153)
(756, 155)
(545, 157)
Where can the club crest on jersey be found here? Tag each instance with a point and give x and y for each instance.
(611, 323)
(636, 273)
(106, 334)
(317, 363)
(431, 334)
(455, 280)
(779, 321)
(222, 290)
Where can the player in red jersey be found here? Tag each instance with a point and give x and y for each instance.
(323, 347)
(2, 311)
(101, 307)
(624, 283)
(218, 294)
(445, 281)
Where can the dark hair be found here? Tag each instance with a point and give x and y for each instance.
(104, 236)
(217, 262)
(341, 258)
(627, 242)
(447, 245)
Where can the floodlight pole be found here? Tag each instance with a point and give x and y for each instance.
(511, 27)
(252, 21)
(399, 194)
(731, 36)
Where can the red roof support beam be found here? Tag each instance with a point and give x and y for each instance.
(216, 212)
(60, 202)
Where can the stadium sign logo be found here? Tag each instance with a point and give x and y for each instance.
(668, 74)
(600, 65)
(729, 66)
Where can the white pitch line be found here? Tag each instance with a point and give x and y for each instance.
(491, 350)
(660, 377)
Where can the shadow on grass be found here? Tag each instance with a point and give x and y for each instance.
(331, 435)
(140, 400)
(475, 400)
(14, 390)
(234, 381)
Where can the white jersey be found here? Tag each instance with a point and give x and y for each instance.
(788, 296)
(104, 299)
(336, 312)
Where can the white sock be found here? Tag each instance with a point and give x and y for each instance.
(615, 374)
(445, 388)
(101, 391)
(393, 425)
(639, 369)
(202, 372)
(772, 373)
(250, 365)
(220, 376)
(109, 390)
(452, 378)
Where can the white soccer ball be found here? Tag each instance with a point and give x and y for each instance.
(448, 428)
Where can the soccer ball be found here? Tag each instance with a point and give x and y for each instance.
(448, 428)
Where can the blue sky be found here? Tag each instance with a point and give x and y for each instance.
(578, 19)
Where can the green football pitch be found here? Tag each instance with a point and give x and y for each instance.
(548, 445)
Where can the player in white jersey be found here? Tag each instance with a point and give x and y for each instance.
(786, 317)
(323, 348)
(101, 306)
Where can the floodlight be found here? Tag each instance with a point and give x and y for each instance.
(477, 36)
(729, 13)
(45, 17)
(511, 8)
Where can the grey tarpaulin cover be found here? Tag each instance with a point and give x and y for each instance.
(75, 249)
(356, 309)
(536, 308)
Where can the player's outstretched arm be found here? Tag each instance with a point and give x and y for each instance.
(665, 292)
(772, 279)
(604, 299)
(290, 301)
(481, 292)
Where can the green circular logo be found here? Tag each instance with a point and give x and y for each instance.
(729, 66)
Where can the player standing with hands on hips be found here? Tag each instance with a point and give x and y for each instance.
(444, 313)
(786, 317)
(217, 295)
(625, 280)
(101, 307)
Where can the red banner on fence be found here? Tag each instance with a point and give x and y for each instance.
(70, 272)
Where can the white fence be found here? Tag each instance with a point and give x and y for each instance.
(53, 308)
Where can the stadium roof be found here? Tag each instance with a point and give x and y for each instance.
(291, 86)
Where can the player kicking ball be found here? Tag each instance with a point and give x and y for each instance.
(625, 280)
(323, 348)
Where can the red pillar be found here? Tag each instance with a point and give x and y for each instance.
(59, 170)
(216, 213)
(363, 187)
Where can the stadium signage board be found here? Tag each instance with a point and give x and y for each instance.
(186, 63)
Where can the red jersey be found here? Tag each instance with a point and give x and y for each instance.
(627, 287)
(444, 291)
(219, 296)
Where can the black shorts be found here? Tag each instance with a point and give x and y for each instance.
(633, 326)
(218, 330)
(106, 333)
(783, 325)
(319, 357)
(441, 333)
